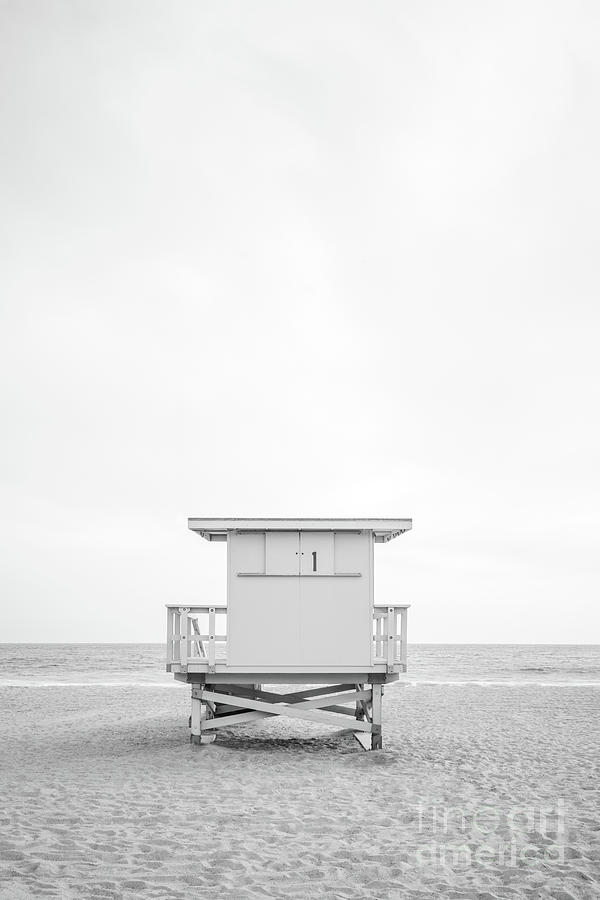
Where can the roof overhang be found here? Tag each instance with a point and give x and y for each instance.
(384, 530)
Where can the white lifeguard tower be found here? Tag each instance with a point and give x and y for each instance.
(300, 610)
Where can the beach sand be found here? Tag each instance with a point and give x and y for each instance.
(104, 797)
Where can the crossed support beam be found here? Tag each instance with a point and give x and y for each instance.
(224, 705)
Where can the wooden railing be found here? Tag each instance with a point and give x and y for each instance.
(194, 633)
(389, 634)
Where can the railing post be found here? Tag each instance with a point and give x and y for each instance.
(403, 636)
(184, 628)
(169, 635)
(211, 637)
(379, 651)
(391, 638)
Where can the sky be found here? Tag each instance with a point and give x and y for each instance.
(300, 259)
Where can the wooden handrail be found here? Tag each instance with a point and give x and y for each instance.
(186, 637)
(204, 607)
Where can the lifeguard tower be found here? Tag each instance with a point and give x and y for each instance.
(300, 611)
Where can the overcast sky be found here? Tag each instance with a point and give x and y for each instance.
(300, 259)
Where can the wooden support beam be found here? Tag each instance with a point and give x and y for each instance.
(308, 709)
(196, 717)
(342, 710)
(316, 692)
(247, 691)
(359, 712)
(237, 714)
(199, 642)
(322, 702)
(219, 638)
(376, 741)
(363, 739)
(233, 715)
(202, 712)
(367, 709)
(238, 717)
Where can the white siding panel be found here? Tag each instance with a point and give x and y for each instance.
(352, 552)
(264, 625)
(247, 553)
(335, 622)
(283, 553)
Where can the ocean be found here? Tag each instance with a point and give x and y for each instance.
(144, 664)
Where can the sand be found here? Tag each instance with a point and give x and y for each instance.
(104, 797)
